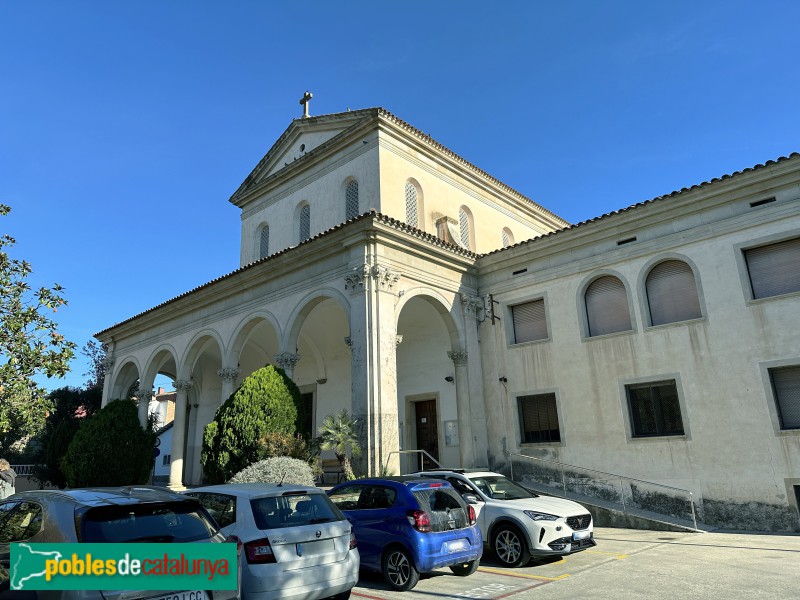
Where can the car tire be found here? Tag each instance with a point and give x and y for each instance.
(464, 569)
(399, 570)
(509, 546)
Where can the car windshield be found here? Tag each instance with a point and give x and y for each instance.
(163, 522)
(294, 510)
(498, 487)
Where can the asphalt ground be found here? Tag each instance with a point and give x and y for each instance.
(627, 563)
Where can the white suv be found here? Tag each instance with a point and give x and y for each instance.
(516, 523)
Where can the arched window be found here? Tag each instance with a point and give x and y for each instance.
(508, 237)
(607, 306)
(351, 199)
(672, 293)
(263, 249)
(305, 223)
(412, 205)
(465, 227)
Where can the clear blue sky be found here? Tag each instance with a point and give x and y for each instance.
(125, 126)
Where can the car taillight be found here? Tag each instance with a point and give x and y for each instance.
(419, 520)
(353, 543)
(234, 539)
(471, 514)
(259, 552)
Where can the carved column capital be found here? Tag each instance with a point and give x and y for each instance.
(358, 279)
(183, 385)
(286, 360)
(384, 277)
(144, 393)
(228, 374)
(459, 357)
(108, 362)
(471, 304)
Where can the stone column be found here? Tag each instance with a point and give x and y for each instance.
(373, 341)
(287, 361)
(229, 377)
(473, 308)
(144, 394)
(108, 365)
(494, 397)
(465, 445)
(182, 386)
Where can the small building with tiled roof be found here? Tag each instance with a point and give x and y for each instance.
(450, 313)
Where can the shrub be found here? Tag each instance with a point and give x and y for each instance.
(279, 443)
(111, 448)
(265, 402)
(276, 469)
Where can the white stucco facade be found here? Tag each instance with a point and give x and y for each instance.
(390, 320)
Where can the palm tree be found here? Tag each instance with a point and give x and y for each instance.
(338, 433)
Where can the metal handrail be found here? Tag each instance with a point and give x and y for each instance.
(388, 456)
(23, 470)
(620, 478)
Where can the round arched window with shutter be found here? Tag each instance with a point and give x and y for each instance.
(672, 293)
(607, 306)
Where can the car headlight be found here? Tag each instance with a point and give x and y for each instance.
(540, 516)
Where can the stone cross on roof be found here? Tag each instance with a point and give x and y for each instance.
(304, 101)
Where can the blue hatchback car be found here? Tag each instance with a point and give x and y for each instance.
(408, 525)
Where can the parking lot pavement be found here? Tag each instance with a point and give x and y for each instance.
(628, 563)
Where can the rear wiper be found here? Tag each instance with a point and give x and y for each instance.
(320, 520)
(152, 538)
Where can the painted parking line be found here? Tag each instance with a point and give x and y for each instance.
(521, 575)
(614, 554)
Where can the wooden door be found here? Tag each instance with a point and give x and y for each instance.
(427, 431)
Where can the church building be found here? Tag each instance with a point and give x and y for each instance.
(450, 313)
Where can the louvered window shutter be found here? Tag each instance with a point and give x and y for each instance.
(351, 200)
(539, 418)
(411, 205)
(305, 223)
(530, 322)
(607, 306)
(463, 225)
(786, 383)
(774, 269)
(264, 249)
(672, 293)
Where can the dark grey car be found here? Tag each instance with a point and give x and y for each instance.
(118, 515)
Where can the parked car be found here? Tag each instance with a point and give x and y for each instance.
(517, 523)
(98, 515)
(408, 525)
(297, 544)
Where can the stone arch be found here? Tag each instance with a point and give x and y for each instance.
(444, 307)
(163, 360)
(123, 378)
(246, 334)
(304, 308)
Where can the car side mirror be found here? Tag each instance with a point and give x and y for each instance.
(470, 498)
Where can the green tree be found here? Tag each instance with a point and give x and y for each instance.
(338, 433)
(71, 407)
(111, 448)
(266, 402)
(30, 345)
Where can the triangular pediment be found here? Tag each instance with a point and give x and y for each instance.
(300, 140)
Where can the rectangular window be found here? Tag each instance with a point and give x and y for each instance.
(166, 460)
(538, 418)
(774, 269)
(654, 409)
(530, 322)
(786, 388)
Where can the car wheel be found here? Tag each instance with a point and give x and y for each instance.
(399, 570)
(509, 546)
(464, 569)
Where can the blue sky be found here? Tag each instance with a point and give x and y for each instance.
(125, 126)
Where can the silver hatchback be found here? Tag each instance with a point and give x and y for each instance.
(93, 515)
(297, 544)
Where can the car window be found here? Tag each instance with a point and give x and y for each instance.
(501, 488)
(346, 498)
(460, 486)
(220, 506)
(377, 496)
(294, 510)
(152, 522)
(446, 508)
(22, 523)
(6, 508)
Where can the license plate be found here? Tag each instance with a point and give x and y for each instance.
(581, 535)
(454, 546)
(193, 595)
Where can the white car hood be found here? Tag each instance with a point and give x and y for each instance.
(548, 504)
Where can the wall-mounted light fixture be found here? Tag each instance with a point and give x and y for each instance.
(323, 380)
(503, 380)
(449, 379)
